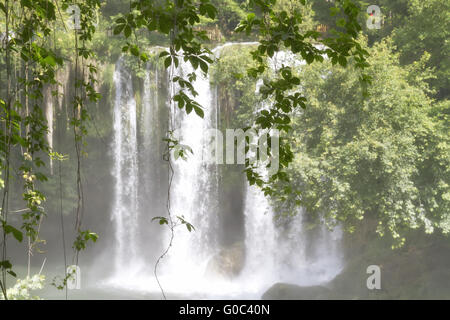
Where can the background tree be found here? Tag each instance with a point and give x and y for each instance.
(378, 158)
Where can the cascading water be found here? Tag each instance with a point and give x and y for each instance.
(283, 252)
(274, 251)
(125, 172)
(148, 118)
(151, 169)
(193, 194)
(308, 257)
(260, 242)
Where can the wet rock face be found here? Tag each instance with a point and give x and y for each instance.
(228, 263)
(284, 291)
(419, 270)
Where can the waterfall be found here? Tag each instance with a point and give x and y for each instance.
(260, 240)
(148, 117)
(49, 116)
(193, 193)
(283, 251)
(276, 250)
(149, 148)
(309, 257)
(151, 202)
(125, 172)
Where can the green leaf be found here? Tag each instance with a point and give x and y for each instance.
(127, 31)
(309, 58)
(341, 22)
(334, 11)
(134, 51)
(12, 273)
(163, 54)
(5, 264)
(199, 111)
(144, 57)
(167, 62)
(16, 233)
(342, 61)
(118, 29)
(162, 220)
(50, 60)
(93, 236)
(204, 66)
(190, 227)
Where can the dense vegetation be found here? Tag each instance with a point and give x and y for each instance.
(365, 120)
(384, 156)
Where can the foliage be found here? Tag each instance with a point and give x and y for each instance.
(383, 158)
(181, 221)
(83, 238)
(29, 47)
(236, 89)
(386, 157)
(229, 14)
(23, 287)
(280, 30)
(341, 156)
(427, 30)
(26, 29)
(305, 9)
(177, 20)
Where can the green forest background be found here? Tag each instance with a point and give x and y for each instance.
(377, 164)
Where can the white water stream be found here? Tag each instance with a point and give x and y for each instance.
(273, 253)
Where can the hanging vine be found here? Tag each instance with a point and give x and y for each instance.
(84, 92)
(280, 30)
(31, 64)
(175, 19)
(26, 42)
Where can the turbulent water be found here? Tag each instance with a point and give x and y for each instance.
(273, 251)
